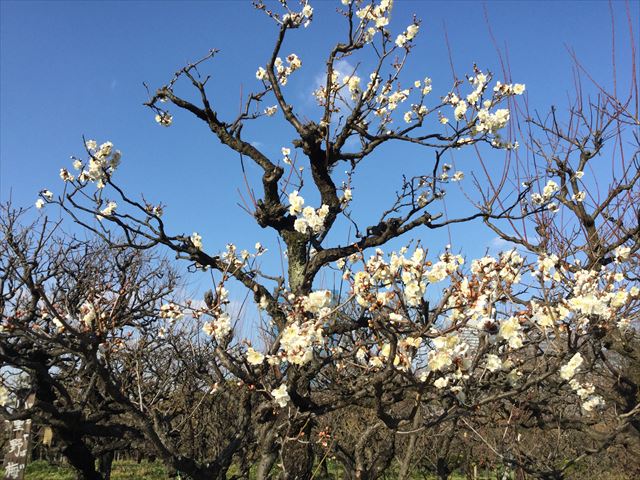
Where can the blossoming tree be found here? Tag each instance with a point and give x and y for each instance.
(421, 338)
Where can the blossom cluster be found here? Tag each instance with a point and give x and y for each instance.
(478, 109)
(308, 218)
(378, 14)
(547, 194)
(219, 327)
(585, 391)
(409, 34)
(282, 71)
(471, 311)
(103, 161)
(598, 293)
(46, 196)
(171, 311)
(306, 317)
(485, 120)
(108, 210)
(164, 118)
(303, 17)
(374, 286)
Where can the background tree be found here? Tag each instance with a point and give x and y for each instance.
(412, 341)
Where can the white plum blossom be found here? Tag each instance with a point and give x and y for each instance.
(492, 122)
(281, 395)
(282, 72)
(518, 88)
(316, 301)
(446, 348)
(103, 162)
(109, 209)
(457, 176)
(378, 14)
(66, 176)
(621, 253)
(270, 111)
(285, 155)
(311, 218)
(254, 357)
(550, 189)
(579, 197)
(592, 403)
(294, 62)
(171, 311)
(196, 240)
(493, 363)
(401, 40)
(510, 331)
(361, 354)
(295, 203)
(4, 395)
(568, 370)
(513, 377)
(301, 225)
(460, 110)
(164, 119)
(407, 35)
(88, 312)
(441, 382)
(353, 84)
(297, 342)
(509, 89)
(219, 327)
(427, 86)
(546, 265)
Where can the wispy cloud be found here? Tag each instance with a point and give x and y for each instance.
(498, 244)
(343, 67)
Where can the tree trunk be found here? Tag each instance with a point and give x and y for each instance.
(105, 463)
(298, 456)
(405, 465)
(267, 459)
(442, 469)
(82, 460)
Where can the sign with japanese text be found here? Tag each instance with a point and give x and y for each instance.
(15, 460)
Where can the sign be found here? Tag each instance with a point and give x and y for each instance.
(15, 461)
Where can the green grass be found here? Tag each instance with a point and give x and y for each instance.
(125, 470)
(130, 470)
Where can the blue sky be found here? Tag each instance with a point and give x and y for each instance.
(69, 69)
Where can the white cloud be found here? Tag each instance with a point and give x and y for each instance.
(343, 67)
(498, 244)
